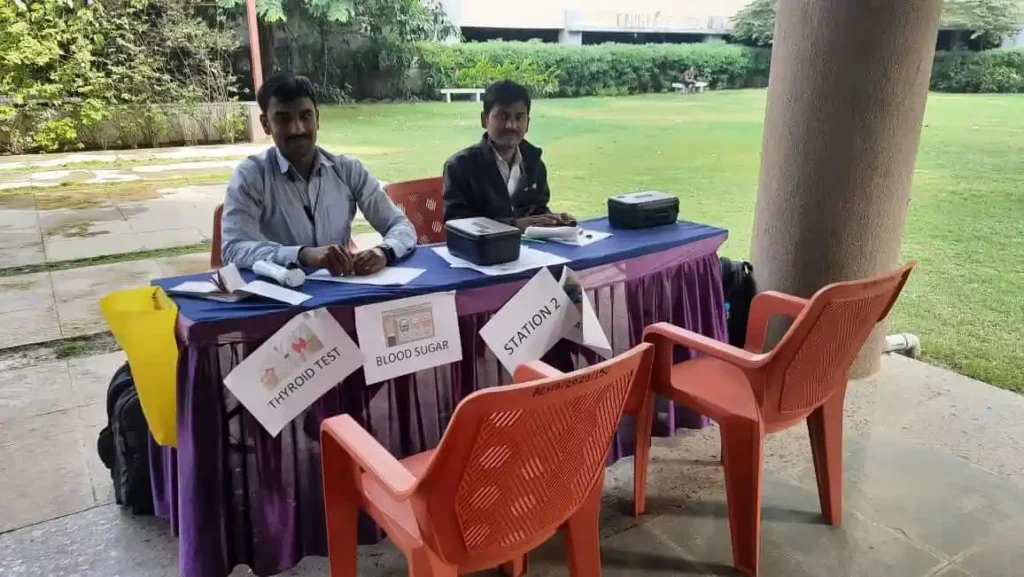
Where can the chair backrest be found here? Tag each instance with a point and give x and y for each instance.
(422, 203)
(812, 360)
(215, 258)
(516, 462)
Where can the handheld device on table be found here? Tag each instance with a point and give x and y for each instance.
(289, 277)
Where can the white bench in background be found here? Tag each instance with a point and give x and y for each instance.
(477, 93)
(697, 87)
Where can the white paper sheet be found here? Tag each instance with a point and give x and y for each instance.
(531, 322)
(194, 287)
(407, 335)
(394, 276)
(275, 292)
(230, 278)
(307, 357)
(587, 331)
(568, 233)
(584, 238)
(529, 259)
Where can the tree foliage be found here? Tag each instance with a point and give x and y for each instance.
(343, 45)
(755, 23)
(65, 65)
(993, 20)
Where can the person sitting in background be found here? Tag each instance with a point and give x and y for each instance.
(502, 177)
(294, 203)
(690, 79)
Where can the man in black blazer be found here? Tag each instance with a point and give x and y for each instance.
(502, 177)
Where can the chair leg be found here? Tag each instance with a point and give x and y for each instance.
(582, 536)
(516, 567)
(825, 429)
(423, 563)
(644, 422)
(743, 441)
(341, 507)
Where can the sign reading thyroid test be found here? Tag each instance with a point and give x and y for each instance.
(307, 357)
(408, 335)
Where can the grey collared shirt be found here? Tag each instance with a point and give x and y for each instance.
(268, 206)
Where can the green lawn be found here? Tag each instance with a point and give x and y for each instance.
(966, 222)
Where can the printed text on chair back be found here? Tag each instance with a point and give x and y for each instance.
(815, 357)
(421, 201)
(516, 462)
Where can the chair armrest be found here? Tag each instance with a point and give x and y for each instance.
(534, 371)
(661, 334)
(762, 308)
(369, 455)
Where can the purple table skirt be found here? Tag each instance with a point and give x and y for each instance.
(235, 495)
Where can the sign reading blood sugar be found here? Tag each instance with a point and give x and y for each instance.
(408, 335)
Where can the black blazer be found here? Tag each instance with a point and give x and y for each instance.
(473, 185)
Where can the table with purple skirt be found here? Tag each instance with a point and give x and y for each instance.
(234, 494)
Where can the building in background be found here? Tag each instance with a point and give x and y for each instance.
(578, 22)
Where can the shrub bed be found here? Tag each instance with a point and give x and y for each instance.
(607, 69)
(1000, 70)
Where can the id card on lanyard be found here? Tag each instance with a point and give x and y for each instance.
(309, 209)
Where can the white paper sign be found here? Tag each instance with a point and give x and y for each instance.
(587, 331)
(384, 277)
(530, 323)
(408, 335)
(308, 356)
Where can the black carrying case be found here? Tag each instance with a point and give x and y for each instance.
(642, 210)
(482, 241)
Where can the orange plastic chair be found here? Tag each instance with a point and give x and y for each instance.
(216, 260)
(751, 393)
(515, 465)
(422, 203)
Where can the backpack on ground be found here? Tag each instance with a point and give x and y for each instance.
(123, 445)
(739, 289)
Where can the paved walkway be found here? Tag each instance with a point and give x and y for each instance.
(109, 225)
(48, 161)
(65, 303)
(934, 487)
(72, 214)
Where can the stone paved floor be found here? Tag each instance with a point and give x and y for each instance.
(59, 224)
(934, 487)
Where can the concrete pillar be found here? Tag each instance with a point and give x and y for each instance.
(846, 99)
(253, 129)
(570, 38)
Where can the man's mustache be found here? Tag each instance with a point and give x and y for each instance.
(298, 137)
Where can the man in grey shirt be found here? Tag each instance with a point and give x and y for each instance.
(294, 203)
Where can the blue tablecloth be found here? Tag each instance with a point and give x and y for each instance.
(439, 277)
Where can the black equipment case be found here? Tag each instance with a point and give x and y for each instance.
(642, 210)
(482, 241)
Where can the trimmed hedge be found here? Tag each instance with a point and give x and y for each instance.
(1000, 70)
(607, 69)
